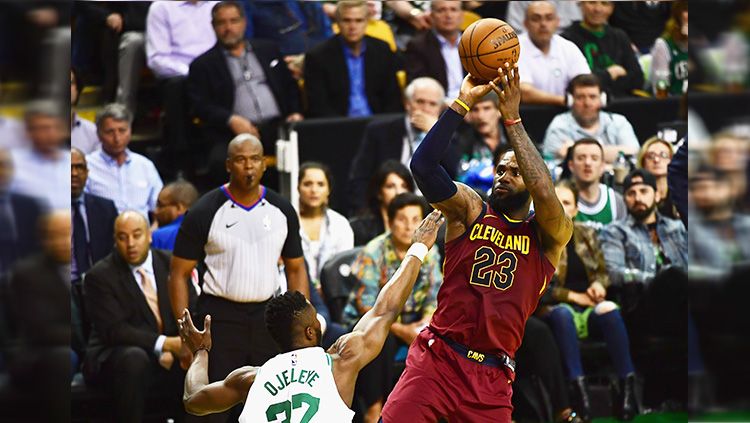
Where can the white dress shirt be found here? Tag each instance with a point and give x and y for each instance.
(550, 72)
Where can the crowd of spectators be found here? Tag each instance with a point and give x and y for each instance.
(223, 70)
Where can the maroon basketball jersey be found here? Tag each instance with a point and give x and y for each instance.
(494, 275)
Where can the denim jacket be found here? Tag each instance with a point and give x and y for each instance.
(629, 252)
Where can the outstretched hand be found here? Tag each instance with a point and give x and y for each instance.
(508, 89)
(473, 89)
(427, 231)
(193, 338)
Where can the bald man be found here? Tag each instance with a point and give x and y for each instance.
(239, 231)
(133, 345)
(548, 61)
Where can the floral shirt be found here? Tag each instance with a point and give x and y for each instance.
(375, 265)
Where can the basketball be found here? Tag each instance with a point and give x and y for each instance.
(486, 45)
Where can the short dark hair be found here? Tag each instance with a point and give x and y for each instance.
(222, 4)
(316, 165)
(584, 80)
(281, 314)
(584, 141)
(403, 200)
(378, 179)
(183, 192)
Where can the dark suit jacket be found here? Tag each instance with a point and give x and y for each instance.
(423, 58)
(26, 212)
(118, 310)
(327, 79)
(384, 140)
(39, 303)
(211, 89)
(101, 214)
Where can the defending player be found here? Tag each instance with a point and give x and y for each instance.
(303, 384)
(499, 259)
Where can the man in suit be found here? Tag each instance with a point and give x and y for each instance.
(40, 358)
(240, 86)
(93, 220)
(19, 214)
(434, 53)
(134, 347)
(351, 74)
(397, 138)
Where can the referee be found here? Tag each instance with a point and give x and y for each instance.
(238, 231)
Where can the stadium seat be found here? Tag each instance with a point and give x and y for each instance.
(337, 281)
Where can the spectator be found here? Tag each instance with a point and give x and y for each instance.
(240, 86)
(548, 61)
(41, 357)
(12, 133)
(19, 215)
(669, 66)
(82, 132)
(351, 74)
(407, 18)
(324, 232)
(654, 156)
(93, 220)
(173, 202)
(719, 236)
(42, 168)
(481, 144)
(587, 120)
(134, 343)
(373, 267)
(434, 53)
(295, 26)
(397, 138)
(729, 153)
(598, 204)
(567, 11)
(645, 243)
(389, 180)
(607, 49)
(120, 27)
(238, 231)
(580, 289)
(176, 33)
(127, 178)
(642, 21)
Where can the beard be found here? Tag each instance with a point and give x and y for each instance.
(510, 203)
(641, 215)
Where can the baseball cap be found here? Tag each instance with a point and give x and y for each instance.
(641, 176)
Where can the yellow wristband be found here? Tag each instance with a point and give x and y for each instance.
(462, 104)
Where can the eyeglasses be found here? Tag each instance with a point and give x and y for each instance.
(653, 156)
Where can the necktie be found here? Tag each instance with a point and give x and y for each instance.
(80, 244)
(150, 293)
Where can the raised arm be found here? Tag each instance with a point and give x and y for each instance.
(200, 397)
(459, 203)
(369, 334)
(555, 227)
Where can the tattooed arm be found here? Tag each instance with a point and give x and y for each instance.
(555, 227)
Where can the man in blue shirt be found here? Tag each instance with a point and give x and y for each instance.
(351, 74)
(173, 201)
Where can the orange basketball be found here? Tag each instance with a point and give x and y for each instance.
(486, 45)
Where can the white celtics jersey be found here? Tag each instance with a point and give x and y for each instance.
(296, 387)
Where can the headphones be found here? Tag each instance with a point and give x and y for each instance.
(591, 79)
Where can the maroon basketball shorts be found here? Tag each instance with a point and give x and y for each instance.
(439, 382)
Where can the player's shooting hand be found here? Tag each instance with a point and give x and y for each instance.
(508, 89)
(473, 89)
(427, 231)
(191, 336)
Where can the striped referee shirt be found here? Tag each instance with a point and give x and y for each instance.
(239, 244)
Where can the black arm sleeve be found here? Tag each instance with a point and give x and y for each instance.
(431, 177)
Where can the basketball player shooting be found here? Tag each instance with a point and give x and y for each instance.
(499, 258)
(303, 384)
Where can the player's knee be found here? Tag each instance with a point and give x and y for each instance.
(605, 307)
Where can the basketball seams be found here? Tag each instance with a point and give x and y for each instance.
(470, 54)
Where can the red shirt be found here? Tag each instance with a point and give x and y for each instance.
(494, 275)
